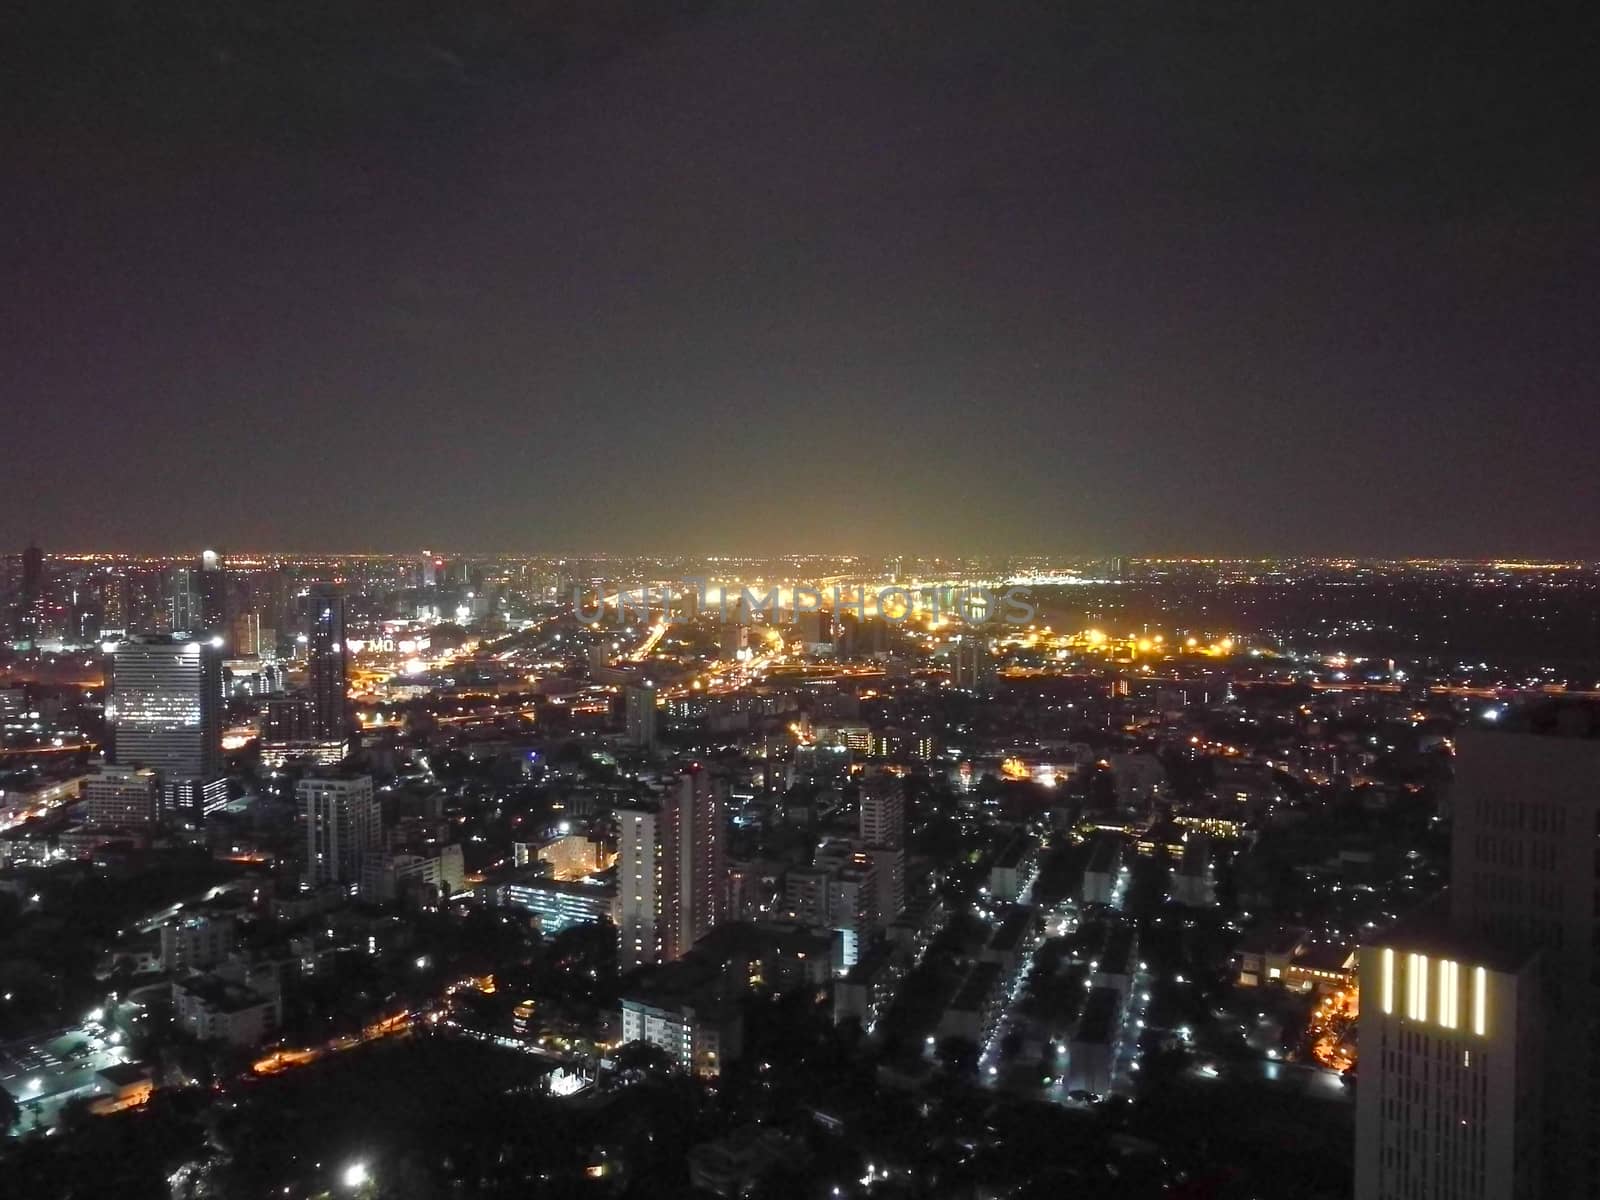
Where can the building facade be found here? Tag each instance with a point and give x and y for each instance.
(127, 796)
(671, 870)
(328, 664)
(164, 707)
(343, 828)
(1449, 1103)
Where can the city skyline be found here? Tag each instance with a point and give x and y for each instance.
(808, 600)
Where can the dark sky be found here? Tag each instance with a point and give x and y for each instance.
(1113, 277)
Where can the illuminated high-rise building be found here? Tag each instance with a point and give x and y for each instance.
(972, 667)
(695, 846)
(344, 828)
(113, 587)
(883, 835)
(1513, 961)
(672, 873)
(244, 635)
(164, 706)
(27, 612)
(1452, 1056)
(641, 715)
(183, 602)
(148, 609)
(639, 884)
(328, 664)
(883, 811)
(211, 593)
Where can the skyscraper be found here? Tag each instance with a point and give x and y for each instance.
(211, 588)
(883, 834)
(164, 706)
(27, 614)
(641, 715)
(972, 667)
(183, 602)
(671, 870)
(1502, 980)
(694, 844)
(883, 811)
(244, 635)
(639, 881)
(344, 830)
(113, 586)
(328, 665)
(1451, 1067)
(1525, 870)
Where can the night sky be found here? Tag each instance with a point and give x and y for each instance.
(1117, 277)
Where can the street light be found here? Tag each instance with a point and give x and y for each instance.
(356, 1175)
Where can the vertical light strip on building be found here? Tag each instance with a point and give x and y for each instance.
(1417, 987)
(1449, 997)
(1388, 980)
(1480, 1002)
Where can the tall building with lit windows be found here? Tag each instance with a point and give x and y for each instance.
(344, 828)
(1525, 870)
(1525, 873)
(1451, 1055)
(883, 838)
(164, 706)
(639, 871)
(27, 618)
(211, 593)
(672, 874)
(640, 703)
(694, 843)
(328, 664)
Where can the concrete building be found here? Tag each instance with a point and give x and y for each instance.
(193, 800)
(164, 706)
(343, 823)
(975, 1011)
(425, 879)
(328, 664)
(869, 988)
(883, 811)
(639, 887)
(671, 870)
(972, 666)
(198, 940)
(560, 904)
(1502, 981)
(1194, 882)
(1096, 1042)
(1451, 1062)
(288, 734)
(122, 796)
(1525, 872)
(1014, 868)
(1265, 954)
(1103, 873)
(227, 1009)
(33, 798)
(641, 715)
(680, 1009)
